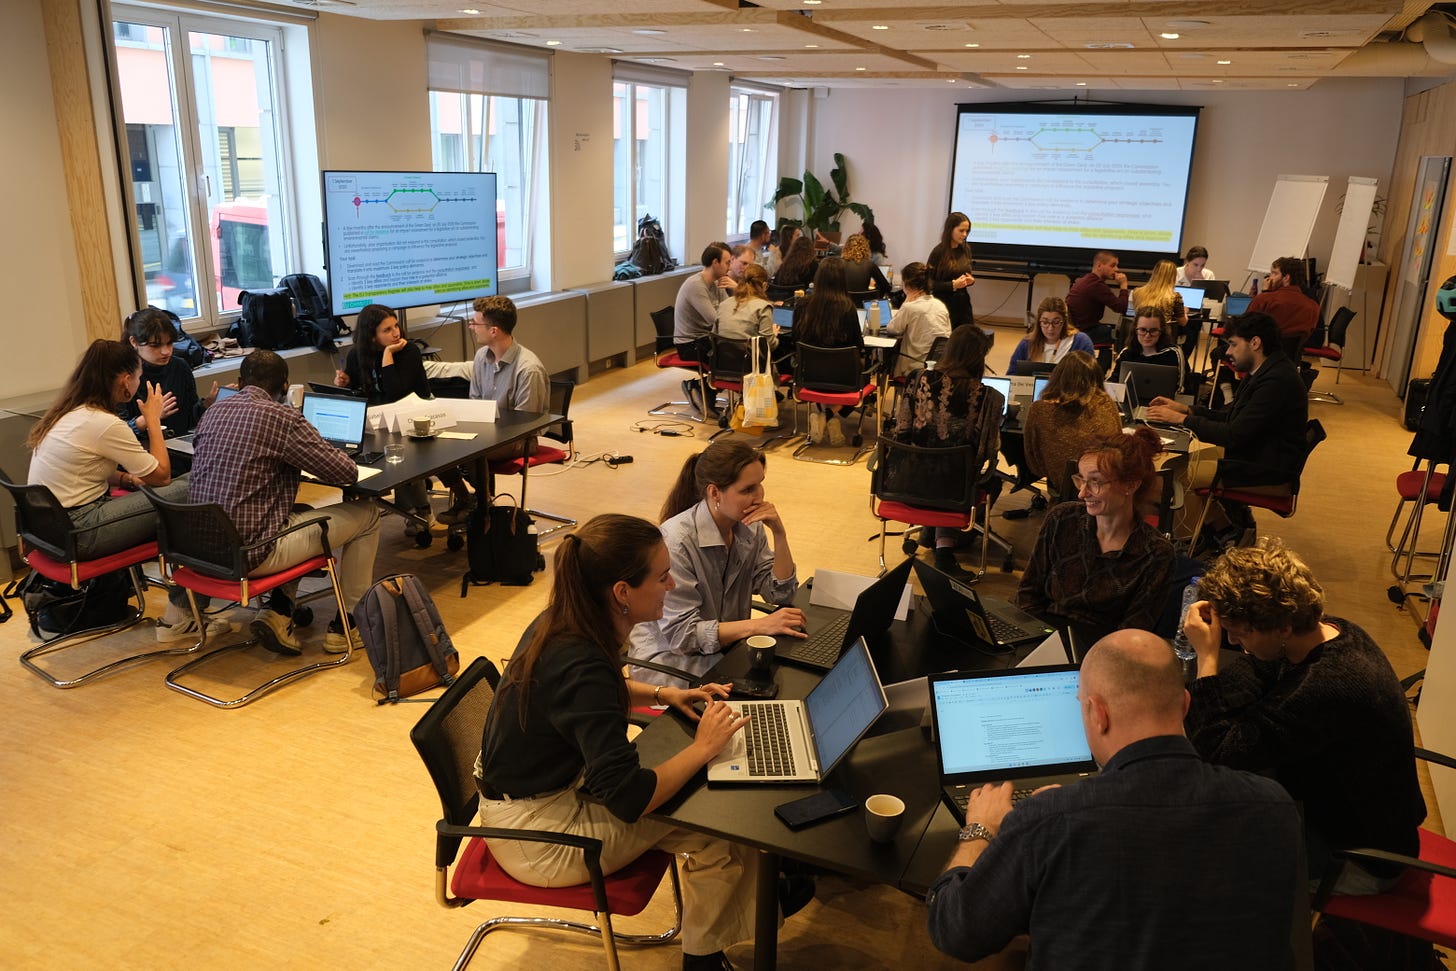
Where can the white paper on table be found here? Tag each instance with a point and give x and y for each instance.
(471, 409)
(394, 423)
(365, 471)
(874, 340)
(840, 590)
(1048, 652)
(1022, 385)
(463, 436)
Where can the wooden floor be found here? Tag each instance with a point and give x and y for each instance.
(143, 829)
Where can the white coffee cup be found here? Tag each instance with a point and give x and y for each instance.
(423, 427)
(295, 395)
(883, 813)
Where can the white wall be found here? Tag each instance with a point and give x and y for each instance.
(1339, 128)
(580, 122)
(707, 162)
(37, 249)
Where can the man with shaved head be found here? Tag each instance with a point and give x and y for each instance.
(1160, 861)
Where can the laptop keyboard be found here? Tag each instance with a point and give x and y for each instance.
(961, 795)
(822, 646)
(766, 741)
(1006, 633)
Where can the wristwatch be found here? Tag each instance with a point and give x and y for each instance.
(974, 831)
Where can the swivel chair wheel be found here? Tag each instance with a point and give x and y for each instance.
(302, 616)
(908, 546)
(540, 563)
(857, 441)
(453, 542)
(423, 539)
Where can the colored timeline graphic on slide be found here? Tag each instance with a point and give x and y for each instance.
(1079, 180)
(409, 239)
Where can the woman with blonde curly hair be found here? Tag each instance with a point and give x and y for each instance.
(860, 272)
(1313, 702)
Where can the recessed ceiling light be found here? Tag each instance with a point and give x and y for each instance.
(1218, 80)
(811, 47)
(717, 63)
(1024, 57)
(745, 30)
(950, 80)
(1081, 84)
(880, 27)
(553, 43)
(859, 69)
(1022, 67)
(1292, 84)
(812, 3)
(470, 11)
(1168, 35)
(973, 45)
(648, 31)
(1225, 62)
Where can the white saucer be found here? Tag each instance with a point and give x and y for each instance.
(422, 438)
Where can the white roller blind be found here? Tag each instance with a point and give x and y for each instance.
(480, 67)
(650, 74)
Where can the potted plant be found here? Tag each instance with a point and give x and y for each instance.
(821, 208)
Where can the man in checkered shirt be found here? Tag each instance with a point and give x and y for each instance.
(247, 455)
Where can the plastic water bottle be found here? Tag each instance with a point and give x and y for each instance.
(1181, 647)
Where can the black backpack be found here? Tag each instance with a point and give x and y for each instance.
(404, 638)
(317, 324)
(267, 320)
(56, 608)
(501, 544)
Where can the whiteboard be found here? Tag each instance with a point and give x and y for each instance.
(1289, 220)
(1350, 237)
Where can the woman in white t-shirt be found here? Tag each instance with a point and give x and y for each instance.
(1195, 267)
(82, 450)
(919, 321)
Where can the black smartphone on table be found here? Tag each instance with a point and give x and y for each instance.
(809, 810)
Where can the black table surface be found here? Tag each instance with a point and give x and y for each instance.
(424, 457)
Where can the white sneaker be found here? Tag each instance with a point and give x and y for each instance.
(836, 432)
(275, 632)
(816, 426)
(187, 629)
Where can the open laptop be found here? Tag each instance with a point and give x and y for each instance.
(1175, 438)
(1002, 385)
(334, 390)
(1236, 305)
(832, 631)
(986, 622)
(1212, 289)
(1038, 385)
(1146, 382)
(1192, 299)
(802, 741)
(1016, 725)
(340, 421)
(885, 309)
(783, 318)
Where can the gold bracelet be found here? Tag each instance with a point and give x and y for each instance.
(655, 693)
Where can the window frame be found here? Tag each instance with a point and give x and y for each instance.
(674, 97)
(739, 206)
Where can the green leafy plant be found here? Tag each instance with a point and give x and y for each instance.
(821, 207)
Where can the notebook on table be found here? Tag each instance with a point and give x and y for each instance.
(802, 741)
(339, 421)
(832, 631)
(986, 622)
(1022, 726)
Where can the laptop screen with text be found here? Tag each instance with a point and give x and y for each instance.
(1005, 723)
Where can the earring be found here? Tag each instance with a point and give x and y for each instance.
(624, 610)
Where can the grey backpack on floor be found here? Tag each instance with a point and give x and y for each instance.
(404, 638)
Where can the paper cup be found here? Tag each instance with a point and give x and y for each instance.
(882, 814)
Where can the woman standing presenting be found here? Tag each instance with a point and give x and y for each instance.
(950, 269)
(558, 729)
(717, 524)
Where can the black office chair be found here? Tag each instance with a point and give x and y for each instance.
(545, 454)
(832, 377)
(668, 356)
(448, 741)
(1333, 349)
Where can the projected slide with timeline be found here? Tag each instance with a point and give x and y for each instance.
(1083, 179)
(409, 239)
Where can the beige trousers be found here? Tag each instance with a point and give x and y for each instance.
(718, 877)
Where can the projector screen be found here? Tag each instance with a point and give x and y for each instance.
(1055, 183)
(409, 239)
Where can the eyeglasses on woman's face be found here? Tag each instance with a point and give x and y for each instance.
(1093, 486)
(1149, 331)
(1057, 322)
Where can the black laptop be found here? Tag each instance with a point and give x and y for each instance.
(831, 630)
(986, 622)
(1017, 725)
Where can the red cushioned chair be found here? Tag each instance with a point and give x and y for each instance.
(667, 356)
(1422, 904)
(927, 487)
(546, 454)
(48, 542)
(1281, 503)
(729, 362)
(204, 554)
(1421, 487)
(1332, 350)
(448, 740)
(834, 377)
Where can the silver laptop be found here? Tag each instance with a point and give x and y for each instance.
(1022, 726)
(802, 741)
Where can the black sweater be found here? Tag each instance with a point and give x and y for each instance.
(1262, 431)
(406, 374)
(575, 720)
(174, 376)
(1335, 731)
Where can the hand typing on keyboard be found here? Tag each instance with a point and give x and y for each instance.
(784, 621)
(716, 727)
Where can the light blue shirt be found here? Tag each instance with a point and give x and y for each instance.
(715, 583)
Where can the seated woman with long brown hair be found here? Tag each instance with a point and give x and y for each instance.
(1072, 412)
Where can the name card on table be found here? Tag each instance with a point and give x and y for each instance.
(397, 417)
(471, 409)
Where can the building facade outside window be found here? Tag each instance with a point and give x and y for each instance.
(752, 157)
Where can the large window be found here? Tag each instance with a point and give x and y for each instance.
(488, 114)
(647, 152)
(752, 157)
(202, 103)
